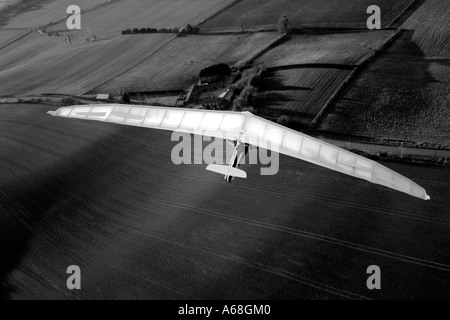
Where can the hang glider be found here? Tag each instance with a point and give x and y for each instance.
(246, 129)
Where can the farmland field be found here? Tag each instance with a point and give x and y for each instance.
(340, 48)
(306, 13)
(39, 64)
(110, 20)
(48, 11)
(109, 199)
(431, 23)
(178, 64)
(7, 36)
(24, 52)
(298, 93)
(403, 95)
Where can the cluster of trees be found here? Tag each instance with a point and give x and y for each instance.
(283, 120)
(70, 101)
(188, 30)
(247, 89)
(283, 24)
(185, 30)
(144, 30)
(221, 70)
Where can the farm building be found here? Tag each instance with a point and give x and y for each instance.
(211, 103)
(217, 100)
(103, 97)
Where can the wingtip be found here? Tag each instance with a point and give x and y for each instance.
(427, 197)
(52, 113)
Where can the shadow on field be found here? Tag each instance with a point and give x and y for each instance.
(387, 98)
(272, 82)
(401, 20)
(32, 196)
(274, 93)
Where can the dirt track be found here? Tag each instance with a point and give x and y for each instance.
(108, 199)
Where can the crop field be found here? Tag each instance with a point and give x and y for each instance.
(431, 23)
(111, 19)
(306, 13)
(298, 93)
(48, 11)
(39, 64)
(178, 63)
(109, 199)
(340, 48)
(403, 96)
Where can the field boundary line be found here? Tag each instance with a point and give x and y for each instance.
(16, 39)
(360, 66)
(261, 52)
(214, 15)
(404, 13)
(313, 65)
(332, 98)
(269, 47)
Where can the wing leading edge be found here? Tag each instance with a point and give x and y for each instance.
(251, 129)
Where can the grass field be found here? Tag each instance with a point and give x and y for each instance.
(110, 20)
(340, 48)
(431, 23)
(403, 95)
(298, 93)
(109, 199)
(48, 11)
(306, 13)
(178, 64)
(53, 67)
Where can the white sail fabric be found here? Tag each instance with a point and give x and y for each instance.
(251, 129)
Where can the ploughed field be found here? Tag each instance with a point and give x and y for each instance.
(178, 63)
(298, 93)
(109, 199)
(48, 11)
(306, 13)
(339, 48)
(40, 64)
(404, 94)
(431, 25)
(109, 20)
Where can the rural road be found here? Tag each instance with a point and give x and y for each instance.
(108, 199)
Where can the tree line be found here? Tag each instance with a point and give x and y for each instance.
(182, 31)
